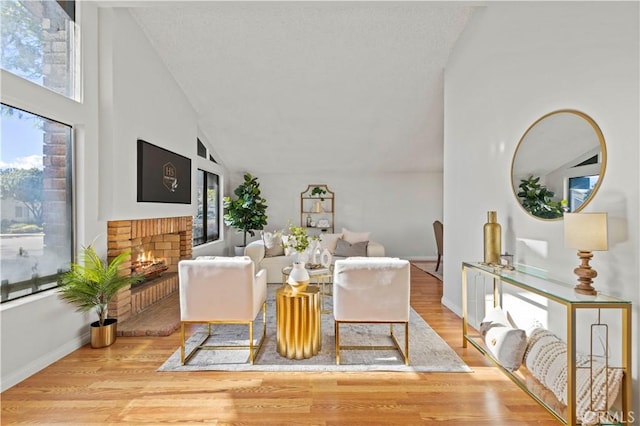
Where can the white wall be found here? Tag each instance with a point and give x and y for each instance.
(514, 63)
(397, 208)
(139, 100)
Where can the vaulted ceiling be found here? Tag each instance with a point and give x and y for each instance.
(312, 86)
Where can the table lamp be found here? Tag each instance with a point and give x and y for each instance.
(585, 232)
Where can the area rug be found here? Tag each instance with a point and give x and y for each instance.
(427, 351)
(429, 268)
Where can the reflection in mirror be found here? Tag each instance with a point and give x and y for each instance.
(558, 164)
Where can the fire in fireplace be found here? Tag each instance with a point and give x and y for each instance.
(148, 265)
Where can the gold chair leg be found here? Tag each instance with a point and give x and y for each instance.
(254, 350)
(396, 343)
(337, 332)
(182, 346)
(253, 356)
(406, 343)
(251, 342)
(405, 353)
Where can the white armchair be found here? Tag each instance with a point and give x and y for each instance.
(221, 290)
(372, 290)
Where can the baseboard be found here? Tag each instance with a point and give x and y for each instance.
(423, 258)
(32, 368)
(456, 309)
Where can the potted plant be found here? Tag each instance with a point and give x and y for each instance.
(318, 191)
(537, 199)
(247, 213)
(92, 284)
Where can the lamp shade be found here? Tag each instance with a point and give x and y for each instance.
(585, 231)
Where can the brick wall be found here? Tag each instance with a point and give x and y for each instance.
(169, 238)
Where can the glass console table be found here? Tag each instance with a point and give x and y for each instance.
(563, 294)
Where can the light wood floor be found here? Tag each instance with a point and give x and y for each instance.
(120, 385)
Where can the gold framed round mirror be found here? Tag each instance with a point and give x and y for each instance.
(558, 164)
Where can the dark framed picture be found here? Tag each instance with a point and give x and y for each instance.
(163, 176)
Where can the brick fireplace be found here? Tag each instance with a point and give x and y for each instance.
(166, 240)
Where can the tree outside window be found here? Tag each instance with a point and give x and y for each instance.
(35, 187)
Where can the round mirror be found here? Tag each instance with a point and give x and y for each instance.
(558, 164)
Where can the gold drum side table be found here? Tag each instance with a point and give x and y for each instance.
(298, 322)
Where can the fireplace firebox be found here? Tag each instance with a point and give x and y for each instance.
(155, 247)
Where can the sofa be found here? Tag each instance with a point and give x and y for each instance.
(273, 258)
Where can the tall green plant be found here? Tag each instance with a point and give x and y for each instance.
(247, 213)
(92, 283)
(537, 199)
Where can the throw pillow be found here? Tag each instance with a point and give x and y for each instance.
(546, 358)
(272, 244)
(346, 249)
(329, 242)
(506, 344)
(354, 237)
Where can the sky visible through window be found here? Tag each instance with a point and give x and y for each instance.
(21, 140)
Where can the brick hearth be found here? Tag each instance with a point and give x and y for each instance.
(168, 238)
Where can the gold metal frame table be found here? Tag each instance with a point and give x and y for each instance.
(565, 296)
(298, 322)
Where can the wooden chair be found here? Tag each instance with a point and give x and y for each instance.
(438, 232)
(222, 290)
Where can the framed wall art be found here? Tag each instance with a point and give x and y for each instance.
(163, 176)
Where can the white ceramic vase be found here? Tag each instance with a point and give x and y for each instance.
(325, 258)
(299, 277)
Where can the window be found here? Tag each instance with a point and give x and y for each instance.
(580, 188)
(35, 180)
(206, 225)
(39, 43)
(202, 150)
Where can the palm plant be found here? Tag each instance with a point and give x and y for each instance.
(92, 284)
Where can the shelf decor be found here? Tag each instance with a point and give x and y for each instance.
(317, 209)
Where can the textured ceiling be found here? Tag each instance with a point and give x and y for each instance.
(312, 86)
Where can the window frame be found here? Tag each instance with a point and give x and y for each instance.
(74, 83)
(204, 239)
(43, 283)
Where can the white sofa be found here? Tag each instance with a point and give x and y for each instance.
(274, 264)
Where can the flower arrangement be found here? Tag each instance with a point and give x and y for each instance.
(297, 239)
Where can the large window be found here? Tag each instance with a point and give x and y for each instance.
(206, 225)
(39, 43)
(36, 214)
